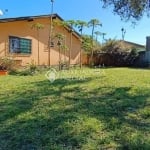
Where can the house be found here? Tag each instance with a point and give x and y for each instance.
(130, 45)
(18, 39)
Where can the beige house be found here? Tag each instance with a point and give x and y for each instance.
(130, 45)
(24, 43)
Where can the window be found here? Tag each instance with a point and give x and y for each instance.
(19, 45)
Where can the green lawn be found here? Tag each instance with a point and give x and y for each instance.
(92, 109)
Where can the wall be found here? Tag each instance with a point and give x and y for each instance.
(144, 56)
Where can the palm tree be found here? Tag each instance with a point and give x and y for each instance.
(97, 33)
(123, 33)
(38, 26)
(71, 24)
(81, 24)
(63, 24)
(93, 23)
(103, 37)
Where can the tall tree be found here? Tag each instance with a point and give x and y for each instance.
(123, 31)
(38, 26)
(81, 24)
(65, 24)
(87, 43)
(71, 24)
(50, 34)
(129, 9)
(97, 33)
(93, 23)
(103, 37)
(60, 38)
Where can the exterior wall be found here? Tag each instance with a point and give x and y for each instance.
(144, 56)
(143, 59)
(85, 58)
(23, 29)
(148, 43)
(147, 56)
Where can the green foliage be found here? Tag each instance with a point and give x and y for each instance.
(71, 24)
(37, 26)
(94, 23)
(129, 10)
(64, 64)
(111, 46)
(7, 63)
(87, 44)
(32, 66)
(31, 69)
(80, 25)
(114, 53)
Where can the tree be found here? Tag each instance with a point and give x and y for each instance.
(71, 24)
(93, 23)
(81, 24)
(50, 34)
(103, 37)
(60, 38)
(87, 44)
(129, 9)
(123, 31)
(38, 26)
(97, 33)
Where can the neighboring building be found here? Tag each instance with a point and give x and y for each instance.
(130, 45)
(19, 40)
(144, 56)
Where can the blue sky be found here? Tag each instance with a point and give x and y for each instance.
(80, 10)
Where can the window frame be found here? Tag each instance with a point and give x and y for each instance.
(18, 46)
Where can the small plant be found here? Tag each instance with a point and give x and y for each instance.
(6, 63)
(30, 69)
(63, 64)
(32, 66)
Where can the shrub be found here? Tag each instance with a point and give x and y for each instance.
(7, 63)
(113, 53)
(32, 66)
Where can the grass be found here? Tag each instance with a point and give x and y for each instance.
(92, 109)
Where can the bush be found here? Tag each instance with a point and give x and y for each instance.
(30, 69)
(113, 53)
(7, 63)
(32, 66)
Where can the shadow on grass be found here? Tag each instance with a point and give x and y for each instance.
(70, 115)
